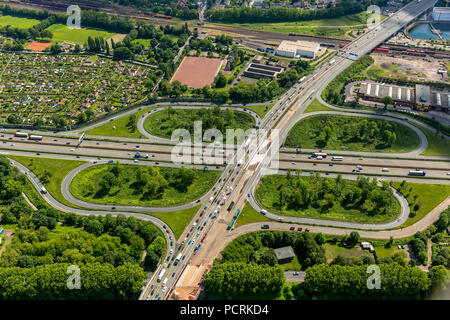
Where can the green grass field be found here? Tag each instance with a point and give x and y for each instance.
(62, 33)
(119, 127)
(429, 195)
(315, 105)
(57, 167)
(437, 146)
(332, 251)
(177, 220)
(261, 110)
(310, 133)
(125, 193)
(293, 265)
(158, 124)
(336, 27)
(249, 215)
(21, 23)
(268, 195)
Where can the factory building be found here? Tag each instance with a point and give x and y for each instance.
(297, 49)
(441, 14)
(421, 97)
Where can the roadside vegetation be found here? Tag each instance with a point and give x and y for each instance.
(328, 262)
(163, 123)
(125, 127)
(437, 145)
(108, 249)
(360, 201)
(422, 198)
(315, 105)
(337, 132)
(249, 215)
(51, 172)
(141, 185)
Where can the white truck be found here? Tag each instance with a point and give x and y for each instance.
(161, 275)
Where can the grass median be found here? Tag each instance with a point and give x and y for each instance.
(145, 186)
(51, 172)
(350, 133)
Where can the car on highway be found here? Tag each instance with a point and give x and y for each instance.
(299, 229)
(293, 163)
(156, 162)
(38, 153)
(113, 208)
(296, 273)
(292, 228)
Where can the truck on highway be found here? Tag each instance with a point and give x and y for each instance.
(337, 159)
(140, 156)
(36, 138)
(239, 163)
(332, 61)
(230, 206)
(43, 190)
(319, 154)
(416, 173)
(301, 79)
(165, 282)
(161, 275)
(21, 135)
(266, 226)
(178, 259)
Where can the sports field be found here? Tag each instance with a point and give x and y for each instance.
(196, 72)
(38, 46)
(62, 33)
(21, 23)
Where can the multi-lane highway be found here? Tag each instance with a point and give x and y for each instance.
(281, 115)
(243, 167)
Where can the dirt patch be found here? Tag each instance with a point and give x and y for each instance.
(38, 46)
(412, 68)
(196, 72)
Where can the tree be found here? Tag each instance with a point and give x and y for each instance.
(387, 100)
(443, 221)
(122, 53)
(55, 49)
(353, 239)
(220, 80)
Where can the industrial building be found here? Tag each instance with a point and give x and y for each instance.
(441, 14)
(257, 69)
(297, 49)
(421, 97)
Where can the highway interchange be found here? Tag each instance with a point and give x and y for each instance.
(255, 160)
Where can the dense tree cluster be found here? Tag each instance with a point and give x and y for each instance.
(300, 193)
(211, 118)
(330, 281)
(419, 247)
(49, 282)
(333, 93)
(167, 7)
(154, 253)
(239, 279)
(150, 182)
(252, 248)
(280, 14)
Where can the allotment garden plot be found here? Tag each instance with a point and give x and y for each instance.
(60, 90)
